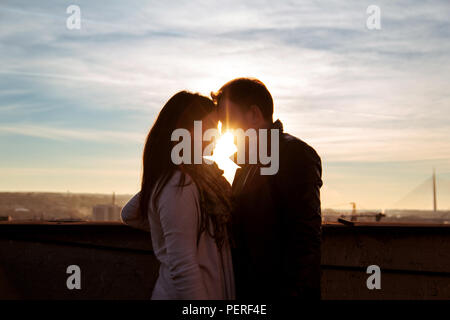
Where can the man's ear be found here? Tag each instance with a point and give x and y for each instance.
(256, 115)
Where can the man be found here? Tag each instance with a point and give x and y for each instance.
(276, 224)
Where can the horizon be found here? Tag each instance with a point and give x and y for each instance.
(76, 105)
(336, 208)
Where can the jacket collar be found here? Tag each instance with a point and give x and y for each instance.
(277, 125)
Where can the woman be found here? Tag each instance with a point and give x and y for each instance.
(186, 207)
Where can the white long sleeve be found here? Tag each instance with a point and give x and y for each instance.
(188, 269)
(179, 215)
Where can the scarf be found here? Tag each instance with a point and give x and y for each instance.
(215, 201)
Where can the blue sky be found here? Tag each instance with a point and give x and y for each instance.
(75, 105)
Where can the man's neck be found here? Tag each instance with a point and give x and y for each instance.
(265, 125)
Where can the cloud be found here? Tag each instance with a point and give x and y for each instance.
(61, 134)
(354, 94)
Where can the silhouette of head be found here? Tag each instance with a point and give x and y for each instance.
(179, 112)
(244, 103)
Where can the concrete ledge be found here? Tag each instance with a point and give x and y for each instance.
(117, 262)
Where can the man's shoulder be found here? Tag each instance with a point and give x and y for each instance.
(298, 159)
(291, 146)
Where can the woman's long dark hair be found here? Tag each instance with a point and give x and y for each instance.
(179, 112)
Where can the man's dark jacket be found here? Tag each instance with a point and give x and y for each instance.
(276, 225)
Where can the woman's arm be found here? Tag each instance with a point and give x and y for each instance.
(179, 213)
(132, 216)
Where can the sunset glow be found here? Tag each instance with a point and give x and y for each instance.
(222, 152)
(76, 105)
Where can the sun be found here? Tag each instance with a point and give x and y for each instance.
(223, 150)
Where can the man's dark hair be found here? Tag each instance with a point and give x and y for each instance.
(246, 92)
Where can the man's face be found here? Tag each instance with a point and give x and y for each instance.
(232, 116)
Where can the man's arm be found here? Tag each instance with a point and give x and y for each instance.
(299, 182)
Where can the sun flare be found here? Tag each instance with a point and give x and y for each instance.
(223, 150)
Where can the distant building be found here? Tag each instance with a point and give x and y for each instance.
(106, 212)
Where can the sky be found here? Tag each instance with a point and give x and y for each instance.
(76, 105)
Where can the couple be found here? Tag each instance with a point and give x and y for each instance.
(260, 237)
